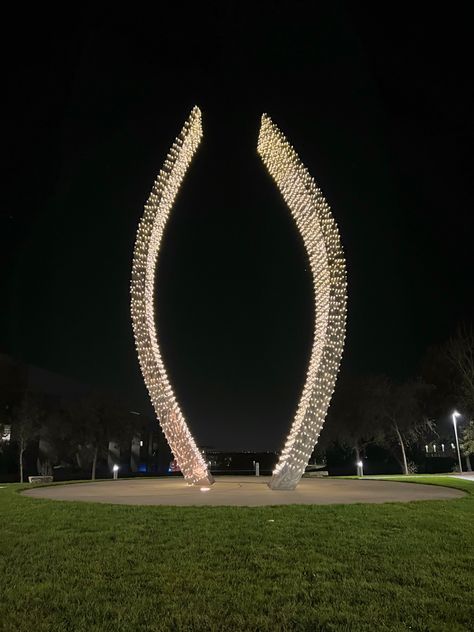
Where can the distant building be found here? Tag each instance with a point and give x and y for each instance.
(147, 451)
(5, 433)
(440, 448)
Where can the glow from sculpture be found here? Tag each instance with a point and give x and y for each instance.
(318, 229)
(147, 245)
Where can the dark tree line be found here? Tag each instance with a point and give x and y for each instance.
(76, 430)
(366, 411)
(376, 410)
(399, 416)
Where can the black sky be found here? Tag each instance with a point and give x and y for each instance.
(379, 107)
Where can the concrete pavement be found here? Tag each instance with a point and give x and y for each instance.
(242, 491)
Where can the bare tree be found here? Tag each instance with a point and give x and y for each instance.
(467, 443)
(460, 353)
(26, 421)
(57, 434)
(399, 411)
(97, 420)
(450, 367)
(437, 369)
(90, 427)
(349, 423)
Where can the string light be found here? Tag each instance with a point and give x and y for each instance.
(318, 229)
(147, 246)
(321, 239)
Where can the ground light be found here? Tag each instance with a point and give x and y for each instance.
(454, 416)
(360, 468)
(115, 470)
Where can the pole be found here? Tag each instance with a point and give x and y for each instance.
(457, 442)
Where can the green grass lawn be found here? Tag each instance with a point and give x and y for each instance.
(80, 566)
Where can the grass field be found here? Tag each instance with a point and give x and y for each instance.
(79, 566)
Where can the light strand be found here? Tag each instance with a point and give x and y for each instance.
(321, 239)
(147, 246)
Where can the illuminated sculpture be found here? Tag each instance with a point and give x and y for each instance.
(321, 239)
(150, 234)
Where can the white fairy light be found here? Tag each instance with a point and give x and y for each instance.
(321, 239)
(318, 229)
(147, 246)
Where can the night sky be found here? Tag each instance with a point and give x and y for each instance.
(378, 106)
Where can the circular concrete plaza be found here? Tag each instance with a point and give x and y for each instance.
(243, 491)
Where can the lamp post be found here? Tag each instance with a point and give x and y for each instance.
(454, 416)
(115, 471)
(360, 468)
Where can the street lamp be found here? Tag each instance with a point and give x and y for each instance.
(360, 468)
(115, 470)
(454, 416)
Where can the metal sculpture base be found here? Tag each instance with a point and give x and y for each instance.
(205, 481)
(285, 479)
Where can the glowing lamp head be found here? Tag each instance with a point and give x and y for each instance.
(359, 464)
(115, 468)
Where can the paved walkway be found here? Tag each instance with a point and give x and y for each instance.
(242, 491)
(467, 476)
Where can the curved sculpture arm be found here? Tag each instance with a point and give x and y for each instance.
(318, 229)
(147, 245)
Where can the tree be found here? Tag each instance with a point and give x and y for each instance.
(26, 421)
(450, 367)
(90, 427)
(467, 443)
(57, 434)
(399, 411)
(98, 419)
(349, 423)
(460, 354)
(437, 369)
